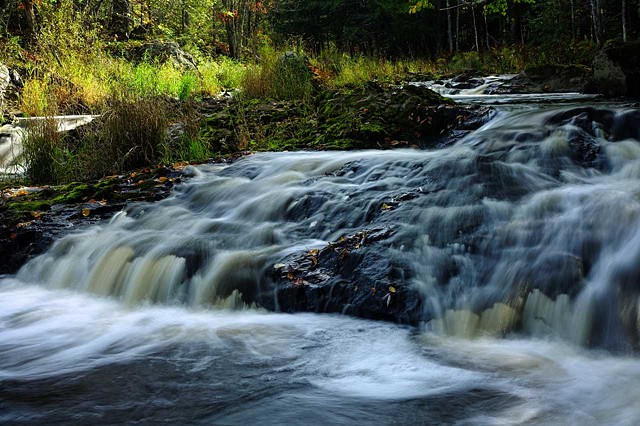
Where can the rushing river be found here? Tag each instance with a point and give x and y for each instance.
(522, 240)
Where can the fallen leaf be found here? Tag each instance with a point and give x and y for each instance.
(392, 289)
(36, 215)
(162, 179)
(86, 212)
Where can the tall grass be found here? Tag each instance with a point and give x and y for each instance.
(42, 152)
(127, 136)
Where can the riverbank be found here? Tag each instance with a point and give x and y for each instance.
(373, 116)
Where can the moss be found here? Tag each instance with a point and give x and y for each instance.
(29, 206)
(353, 117)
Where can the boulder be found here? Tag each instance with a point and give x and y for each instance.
(552, 78)
(616, 70)
(165, 51)
(5, 82)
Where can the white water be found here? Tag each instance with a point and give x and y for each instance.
(323, 369)
(522, 240)
(491, 91)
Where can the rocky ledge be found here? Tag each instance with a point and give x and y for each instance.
(374, 116)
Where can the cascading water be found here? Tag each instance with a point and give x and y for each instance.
(528, 227)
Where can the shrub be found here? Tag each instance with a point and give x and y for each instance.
(35, 99)
(285, 76)
(292, 78)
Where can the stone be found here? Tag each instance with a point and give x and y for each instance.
(5, 82)
(165, 51)
(616, 70)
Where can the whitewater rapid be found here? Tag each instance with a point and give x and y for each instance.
(521, 242)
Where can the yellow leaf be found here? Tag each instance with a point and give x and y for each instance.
(392, 289)
(386, 206)
(86, 212)
(162, 179)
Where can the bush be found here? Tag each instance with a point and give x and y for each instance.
(35, 99)
(292, 78)
(280, 76)
(129, 135)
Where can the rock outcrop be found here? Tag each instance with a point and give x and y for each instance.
(616, 70)
(165, 51)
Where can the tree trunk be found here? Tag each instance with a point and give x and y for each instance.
(624, 21)
(475, 28)
(573, 19)
(120, 18)
(458, 26)
(31, 21)
(595, 17)
(486, 31)
(449, 29)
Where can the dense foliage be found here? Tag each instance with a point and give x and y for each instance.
(131, 56)
(417, 28)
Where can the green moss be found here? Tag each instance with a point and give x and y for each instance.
(29, 206)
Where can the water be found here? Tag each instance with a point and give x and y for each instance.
(521, 240)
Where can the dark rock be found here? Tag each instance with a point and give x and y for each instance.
(30, 221)
(616, 70)
(551, 78)
(344, 277)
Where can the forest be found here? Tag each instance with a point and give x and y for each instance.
(387, 28)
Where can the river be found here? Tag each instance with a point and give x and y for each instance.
(522, 240)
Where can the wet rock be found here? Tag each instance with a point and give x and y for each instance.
(5, 82)
(33, 218)
(551, 78)
(344, 277)
(616, 70)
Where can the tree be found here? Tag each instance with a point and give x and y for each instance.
(121, 20)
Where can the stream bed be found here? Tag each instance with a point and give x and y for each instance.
(520, 245)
